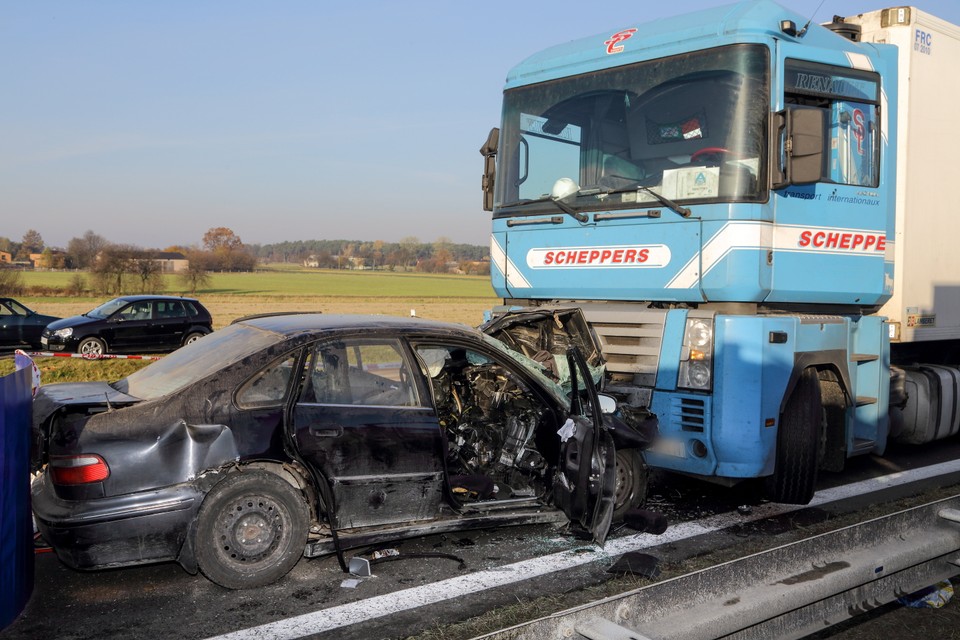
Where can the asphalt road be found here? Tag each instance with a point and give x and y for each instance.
(500, 567)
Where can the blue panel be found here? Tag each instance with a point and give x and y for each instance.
(750, 375)
(683, 419)
(616, 261)
(16, 528)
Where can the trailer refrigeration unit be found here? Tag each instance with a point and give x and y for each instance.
(758, 217)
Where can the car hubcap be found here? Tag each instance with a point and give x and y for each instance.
(91, 349)
(250, 529)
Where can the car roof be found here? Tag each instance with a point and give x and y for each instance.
(292, 324)
(149, 297)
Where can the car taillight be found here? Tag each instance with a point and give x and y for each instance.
(83, 469)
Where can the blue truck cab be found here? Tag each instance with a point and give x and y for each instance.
(718, 193)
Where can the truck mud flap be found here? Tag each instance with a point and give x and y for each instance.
(931, 411)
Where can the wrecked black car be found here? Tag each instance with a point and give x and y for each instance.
(293, 435)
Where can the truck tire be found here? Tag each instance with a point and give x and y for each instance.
(794, 477)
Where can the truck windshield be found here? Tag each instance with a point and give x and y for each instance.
(691, 127)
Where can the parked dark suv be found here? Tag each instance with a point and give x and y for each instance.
(130, 324)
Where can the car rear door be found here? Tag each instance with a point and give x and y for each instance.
(585, 486)
(170, 322)
(361, 424)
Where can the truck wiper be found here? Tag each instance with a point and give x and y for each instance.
(662, 199)
(563, 206)
(667, 202)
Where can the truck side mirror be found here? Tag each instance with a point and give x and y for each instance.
(799, 134)
(489, 153)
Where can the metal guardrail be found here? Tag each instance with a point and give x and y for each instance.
(787, 592)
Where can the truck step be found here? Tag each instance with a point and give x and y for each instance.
(861, 358)
(862, 445)
(863, 401)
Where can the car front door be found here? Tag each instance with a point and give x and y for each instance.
(361, 424)
(129, 328)
(585, 487)
(11, 326)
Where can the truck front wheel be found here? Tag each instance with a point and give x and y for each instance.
(794, 478)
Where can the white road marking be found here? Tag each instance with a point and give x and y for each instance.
(385, 605)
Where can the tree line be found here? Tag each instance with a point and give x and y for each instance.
(409, 254)
(123, 268)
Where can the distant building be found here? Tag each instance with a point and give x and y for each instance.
(49, 259)
(6, 257)
(170, 261)
(311, 261)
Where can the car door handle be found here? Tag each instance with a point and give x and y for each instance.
(328, 431)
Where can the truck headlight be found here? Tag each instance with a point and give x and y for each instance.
(696, 359)
(64, 333)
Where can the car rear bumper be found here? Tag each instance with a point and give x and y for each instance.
(135, 528)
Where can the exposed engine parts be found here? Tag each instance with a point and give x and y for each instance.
(491, 424)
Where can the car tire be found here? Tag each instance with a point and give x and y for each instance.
(192, 337)
(251, 530)
(632, 475)
(92, 347)
(794, 479)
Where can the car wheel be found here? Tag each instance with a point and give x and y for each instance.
(251, 530)
(794, 477)
(631, 487)
(91, 347)
(192, 337)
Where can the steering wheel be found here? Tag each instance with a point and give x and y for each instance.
(716, 152)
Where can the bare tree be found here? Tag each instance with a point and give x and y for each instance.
(112, 265)
(197, 274)
(148, 270)
(83, 251)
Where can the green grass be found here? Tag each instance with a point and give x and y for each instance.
(78, 369)
(288, 281)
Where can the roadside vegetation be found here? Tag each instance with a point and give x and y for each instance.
(273, 288)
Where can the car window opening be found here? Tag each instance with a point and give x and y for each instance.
(500, 437)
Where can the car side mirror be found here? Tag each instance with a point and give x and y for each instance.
(799, 138)
(608, 404)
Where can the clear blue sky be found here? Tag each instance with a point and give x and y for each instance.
(151, 122)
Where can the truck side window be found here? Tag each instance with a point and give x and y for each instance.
(852, 100)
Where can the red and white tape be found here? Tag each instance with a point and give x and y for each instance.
(88, 356)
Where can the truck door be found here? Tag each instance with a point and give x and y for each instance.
(839, 224)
